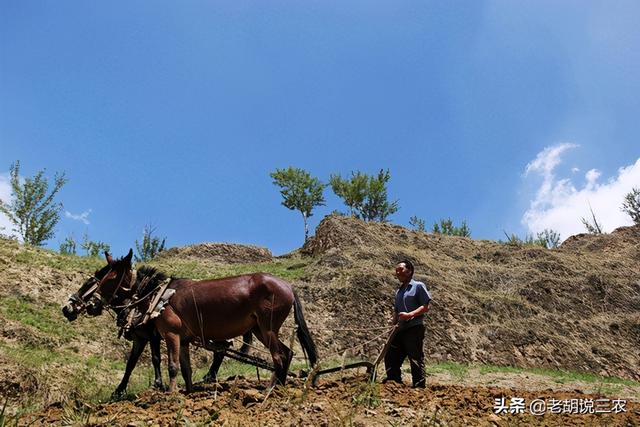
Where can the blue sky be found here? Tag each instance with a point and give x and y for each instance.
(174, 114)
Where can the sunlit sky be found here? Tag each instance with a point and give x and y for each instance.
(513, 116)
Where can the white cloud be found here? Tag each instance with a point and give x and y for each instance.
(559, 204)
(83, 217)
(6, 226)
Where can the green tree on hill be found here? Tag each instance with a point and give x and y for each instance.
(69, 246)
(93, 247)
(417, 223)
(446, 226)
(365, 195)
(352, 192)
(631, 205)
(300, 191)
(33, 209)
(150, 246)
(547, 238)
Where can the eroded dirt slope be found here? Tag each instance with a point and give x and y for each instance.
(576, 307)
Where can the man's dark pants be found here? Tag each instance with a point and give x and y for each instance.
(406, 343)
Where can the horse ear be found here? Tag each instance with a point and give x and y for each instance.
(129, 256)
(107, 255)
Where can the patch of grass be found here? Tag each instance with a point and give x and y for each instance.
(288, 269)
(38, 257)
(45, 319)
(457, 370)
(559, 375)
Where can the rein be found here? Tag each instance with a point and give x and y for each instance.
(135, 302)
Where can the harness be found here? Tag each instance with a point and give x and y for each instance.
(160, 297)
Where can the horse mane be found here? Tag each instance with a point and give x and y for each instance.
(150, 278)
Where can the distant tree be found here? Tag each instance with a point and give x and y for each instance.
(366, 196)
(417, 223)
(592, 226)
(33, 211)
(352, 192)
(69, 246)
(300, 191)
(631, 205)
(93, 248)
(446, 226)
(548, 238)
(376, 206)
(150, 246)
(528, 240)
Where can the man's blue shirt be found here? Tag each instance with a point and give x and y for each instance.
(409, 297)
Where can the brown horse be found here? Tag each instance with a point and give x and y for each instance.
(87, 300)
(218, 310)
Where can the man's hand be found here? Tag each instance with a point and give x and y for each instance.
(405, 316)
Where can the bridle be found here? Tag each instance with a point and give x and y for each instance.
(81, 301)
(105, 302)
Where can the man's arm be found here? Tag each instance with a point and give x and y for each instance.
(410, 315)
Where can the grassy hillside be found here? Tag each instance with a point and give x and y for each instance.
(572, 312)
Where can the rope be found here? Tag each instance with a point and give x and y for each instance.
(131, 304)
(339, 352)
(385, 331)
(380, 328)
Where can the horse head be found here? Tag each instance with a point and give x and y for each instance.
(107, 286)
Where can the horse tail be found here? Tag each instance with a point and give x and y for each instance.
(246, 342)
(308, 346)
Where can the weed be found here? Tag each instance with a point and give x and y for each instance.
(76, 413)
(368, 395)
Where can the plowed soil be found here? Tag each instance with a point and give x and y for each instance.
(347, 401)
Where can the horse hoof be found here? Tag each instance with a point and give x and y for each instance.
(160, 386)
(117, 395)
(207, 379)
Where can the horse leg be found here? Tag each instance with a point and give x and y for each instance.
(185, 366)
(173, 349)
(155, 360)
(212, 375)
(288, 353)
(139, 344)
(246, 342)
(280, 354)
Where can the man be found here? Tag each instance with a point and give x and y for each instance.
(411, 303)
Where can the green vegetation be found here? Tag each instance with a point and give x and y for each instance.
(631, 205)
(33, 212)
(547, 238)
(94, 248)
(460, 371)
(288, 269)
(457, 370)
(300, 191)
(12, 252)
(45, 319)
(151, 245)
(417, 223)
(69, 246)
(592, 225)
(446, 227)
(366, 196)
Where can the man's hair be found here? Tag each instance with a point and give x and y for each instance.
(408, 263)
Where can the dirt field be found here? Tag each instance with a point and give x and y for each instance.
(350, 400)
